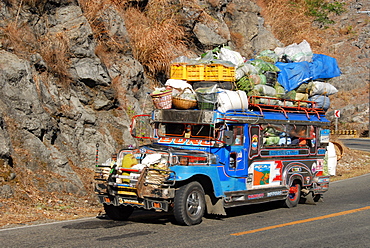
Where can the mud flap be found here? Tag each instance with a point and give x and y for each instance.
(216, 207)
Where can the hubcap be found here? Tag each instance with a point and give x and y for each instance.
(193, 204)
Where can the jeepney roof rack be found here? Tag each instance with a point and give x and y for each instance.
(263, 103)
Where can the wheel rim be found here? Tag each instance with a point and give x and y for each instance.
(293, 192)
(193, 204)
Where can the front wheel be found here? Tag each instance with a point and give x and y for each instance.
(118, 212)
(189, 204)
(294, 196)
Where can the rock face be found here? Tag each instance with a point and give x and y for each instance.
(60, 102)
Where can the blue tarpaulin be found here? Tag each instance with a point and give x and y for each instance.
(323, 66)
(293, 74)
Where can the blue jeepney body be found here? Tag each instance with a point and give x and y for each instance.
(237, 161)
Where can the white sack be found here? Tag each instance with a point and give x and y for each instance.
(322, 88)
(265, 90)
(152, 159)
(178, 85)
(232, 56)
(296, 52)
(228, 100)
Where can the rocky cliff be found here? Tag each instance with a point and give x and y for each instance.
(72, 73)
(60, 102)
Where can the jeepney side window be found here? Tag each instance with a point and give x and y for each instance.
(202, 131)
(171, 129)
(274, 135)
(301, 135)
(238, 135)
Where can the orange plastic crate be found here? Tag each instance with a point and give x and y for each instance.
(195, 72)
(229, 74)
(178, 71)
(214, 72)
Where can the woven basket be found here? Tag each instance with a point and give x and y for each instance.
(162, 100)
(180, 103)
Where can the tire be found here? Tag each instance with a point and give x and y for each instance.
(189, 205)
(118, 212)
(294, 196)
(317, 197)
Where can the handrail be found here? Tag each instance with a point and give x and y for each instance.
(284, 108)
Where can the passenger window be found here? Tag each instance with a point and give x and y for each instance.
(274, 135)
(171, 129)
(238, 135)
(301, 135)
(288, 135)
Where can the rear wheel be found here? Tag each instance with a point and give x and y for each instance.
(317, 197)
(118, 212)
(189, 204)
(294, 195)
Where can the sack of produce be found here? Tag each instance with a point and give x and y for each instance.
(232, 56)
(301, 96)
(296, 52)
(322, 88)
(304, 88)
(265, 90)
(321, 101)
(244, 84)
(280, 91)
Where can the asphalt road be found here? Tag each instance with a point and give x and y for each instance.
(357, 144)
(341, 220)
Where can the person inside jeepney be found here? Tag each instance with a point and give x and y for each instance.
(301, 135)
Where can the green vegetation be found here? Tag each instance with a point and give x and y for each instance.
(321, 10)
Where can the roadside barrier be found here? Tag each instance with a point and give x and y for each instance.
(344, 132)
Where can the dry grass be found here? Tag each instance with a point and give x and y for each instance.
(30, 204)
(17, 37)
(56, 54)
(106, 43)
(156, 36)
(155, 32)
(289, 23)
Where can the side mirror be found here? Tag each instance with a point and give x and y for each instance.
(228, 137)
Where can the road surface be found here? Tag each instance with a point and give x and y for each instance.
(341, 220)
(357, 144)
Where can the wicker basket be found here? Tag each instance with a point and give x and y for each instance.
(162, 100)
(180, 103)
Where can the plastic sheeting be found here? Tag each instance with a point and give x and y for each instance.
(324, 66)
(292, 75)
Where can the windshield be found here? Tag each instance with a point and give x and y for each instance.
(187, 130)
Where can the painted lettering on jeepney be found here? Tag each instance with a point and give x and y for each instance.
(256, 196)
(181, 141)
